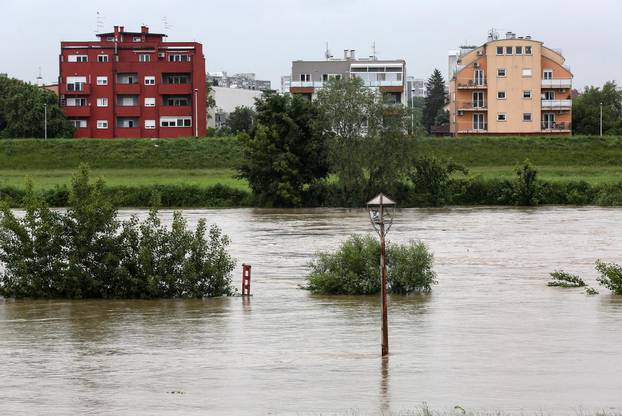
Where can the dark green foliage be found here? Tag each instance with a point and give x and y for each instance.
(526, 188)
(610, 276)
(566, 280)
(241, 120)
(22, 111)
(586, 110)
(354, 269)
(286, 152)
(431, 178)
(591, 291)
(87, 253)
(434, 101)
(369, 149)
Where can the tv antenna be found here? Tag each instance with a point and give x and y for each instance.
(167, 26)
(373, 51)
(327, 53)
(99, 23)
(40, 78)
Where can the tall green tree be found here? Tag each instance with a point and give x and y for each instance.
(586, 110)
(22, 111)
(368, 142)
(286, 150)
(434, 100)
(241, 120)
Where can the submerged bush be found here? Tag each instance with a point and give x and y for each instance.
(563, 279)
(610, 276)
(354, 268)
(87, 253)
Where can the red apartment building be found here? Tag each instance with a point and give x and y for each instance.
(133, 84)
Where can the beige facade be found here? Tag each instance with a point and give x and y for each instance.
(511, 86)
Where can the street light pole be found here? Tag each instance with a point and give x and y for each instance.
(381, 212)
(45, 121)
(196, 112)
(601, 119)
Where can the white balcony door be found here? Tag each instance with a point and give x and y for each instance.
(548, 120)
(478, 77)
(478, 99)
(478, 122)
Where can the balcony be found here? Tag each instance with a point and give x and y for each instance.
(307, 84)
(75, 89)
(175, 89)
(128, 132)
(475, 129)
(471, 84)
(557, 83)
(556, 104)
(553, 127)
(127, 89)
(127, 111)
(176, 110)
(472, 106)
(77, 111)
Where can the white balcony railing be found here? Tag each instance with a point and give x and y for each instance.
(557, 83)
(556, 103)
(307, 84)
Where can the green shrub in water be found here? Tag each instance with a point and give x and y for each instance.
(563, 279)
(610, 276)
(354, 269)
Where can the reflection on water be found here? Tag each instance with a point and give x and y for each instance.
(491, 336)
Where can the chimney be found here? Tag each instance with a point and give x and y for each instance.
(346, 54)
(121, 29)
(116, 30)
(144, 29)
(352, 54)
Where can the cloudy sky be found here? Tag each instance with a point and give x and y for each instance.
(264, 36)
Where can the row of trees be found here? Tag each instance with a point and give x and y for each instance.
(586, 110)
(22, 111)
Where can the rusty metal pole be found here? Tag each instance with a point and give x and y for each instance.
(383, 289)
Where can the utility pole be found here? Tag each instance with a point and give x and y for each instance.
(45, 121)
(196, 112)
(601, 119)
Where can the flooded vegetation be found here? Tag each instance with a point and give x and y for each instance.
(491, 336)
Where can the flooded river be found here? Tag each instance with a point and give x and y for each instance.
(491, 336)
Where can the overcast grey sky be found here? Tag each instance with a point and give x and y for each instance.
(264, 36)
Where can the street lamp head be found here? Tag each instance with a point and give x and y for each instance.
(381, 212)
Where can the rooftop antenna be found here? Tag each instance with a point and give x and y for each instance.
(373, 50)
(99, 23)
(493, 34)
(40, 78)
(167, 26)
(327, 53)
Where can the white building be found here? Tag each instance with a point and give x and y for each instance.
(227, 99)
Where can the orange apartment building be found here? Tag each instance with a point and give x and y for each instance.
(510, 86)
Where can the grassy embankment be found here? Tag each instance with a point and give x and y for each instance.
(191, 165)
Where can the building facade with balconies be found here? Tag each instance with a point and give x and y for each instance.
(510, 86)
(133, 84)
(388, 76)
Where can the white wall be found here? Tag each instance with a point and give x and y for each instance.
(227, 99)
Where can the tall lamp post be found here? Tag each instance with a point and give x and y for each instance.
(601, 119)
(196, 112)
(45, 121)
(381, 212)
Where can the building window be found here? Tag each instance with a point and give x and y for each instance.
(127, 100)
(75, 102)
(519, 50)
(76, 83)
(548, 74)
(176, 78)
(527, 50)
(102, 124)
(548, 95)
(149, 102)
(176, 101)
(527, 117)
(501, 95)
(499, 50)
(508, 50)
(102, 102)
(102, 58)
(77, 58)
(502, 117)
(102, 80)
(175, 121)
(526, 73)
(305, 77)
(501, 72)
(127, 122)
(150, 124)
(79, 123)
(144, 57)
(179, 58)
(527, 94)
(137, 39)
(149, 80)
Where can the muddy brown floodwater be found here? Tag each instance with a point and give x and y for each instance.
(491, 336)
